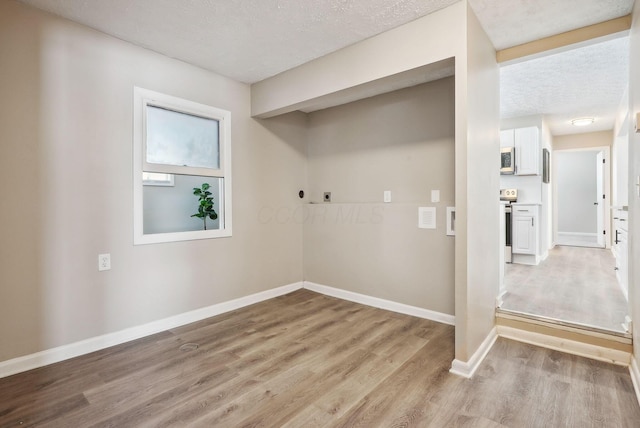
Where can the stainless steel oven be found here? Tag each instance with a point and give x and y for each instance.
(510, 196)
(507, 160)
(508, 250)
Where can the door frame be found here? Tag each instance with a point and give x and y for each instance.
(606, 188)
(600, 173)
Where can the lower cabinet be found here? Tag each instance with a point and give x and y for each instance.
(525, 229)
(621, 249)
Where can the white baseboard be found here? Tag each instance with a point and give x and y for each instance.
(54, 355)
(565, 345)
(588, 234)
(635, 377)
(468, 368)
(65, 352)
(381, 303)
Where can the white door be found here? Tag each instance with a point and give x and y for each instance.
(599, 203)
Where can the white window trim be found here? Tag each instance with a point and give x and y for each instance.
(143, 97)
(169, 182)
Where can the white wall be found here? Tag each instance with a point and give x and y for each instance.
(478, 242)
(577, 187)
(66, 183)
(546, 234)
(634, 172)
(620, 154)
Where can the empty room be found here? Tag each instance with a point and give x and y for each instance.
(288, 213)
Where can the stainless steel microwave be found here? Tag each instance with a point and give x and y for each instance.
(507, 160)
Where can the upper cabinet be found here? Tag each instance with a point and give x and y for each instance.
(507, 138)
(527, 148)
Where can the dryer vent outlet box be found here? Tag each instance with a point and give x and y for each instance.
(427, 217)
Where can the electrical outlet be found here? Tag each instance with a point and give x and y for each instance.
(387, 196)
(104, 262)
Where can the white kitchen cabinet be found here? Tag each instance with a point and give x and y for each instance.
(525, 229)
(527, 144)
(621, 249)
(527, 148)
(507, 138)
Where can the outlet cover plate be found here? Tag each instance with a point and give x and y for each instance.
(104, 262)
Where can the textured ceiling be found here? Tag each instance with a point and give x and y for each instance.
(513, 22)
(250, 40)
(589, 81)
(247, 40)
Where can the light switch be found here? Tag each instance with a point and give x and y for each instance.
(387, 195)
(435, 196)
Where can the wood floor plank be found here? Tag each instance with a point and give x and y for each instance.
(308, 360)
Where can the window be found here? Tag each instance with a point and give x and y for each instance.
(180, 146)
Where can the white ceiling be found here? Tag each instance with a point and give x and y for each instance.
(247, 40)
(513, 22)
(250, 40)
(584, 82)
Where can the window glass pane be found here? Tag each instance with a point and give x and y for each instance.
(181, 139)
(170, 209)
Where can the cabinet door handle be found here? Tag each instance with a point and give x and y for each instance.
(616, 240)
(531, 221)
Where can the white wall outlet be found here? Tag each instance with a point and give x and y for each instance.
(387, 195)
(435, 196)
(104, 262)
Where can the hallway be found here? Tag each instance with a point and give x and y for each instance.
(575, 285)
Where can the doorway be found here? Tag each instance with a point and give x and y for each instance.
(581, 200)
(576, 284)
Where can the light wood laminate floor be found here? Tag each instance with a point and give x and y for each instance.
(308, 360)
(574, 284)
